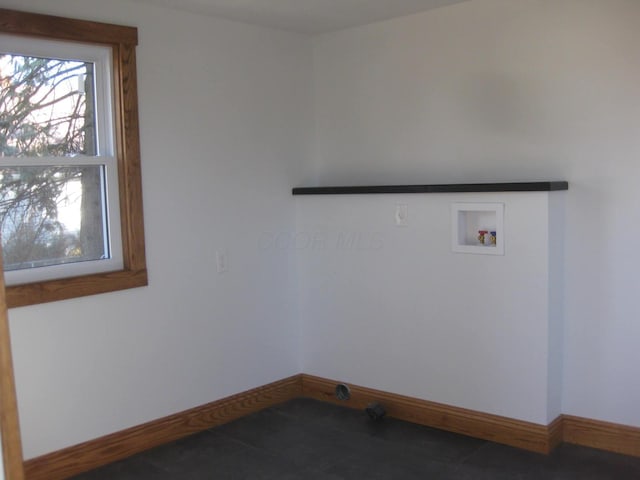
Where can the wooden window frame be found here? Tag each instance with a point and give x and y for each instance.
(122, 40)
(11, 444)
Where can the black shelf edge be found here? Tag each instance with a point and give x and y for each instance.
(441, 188)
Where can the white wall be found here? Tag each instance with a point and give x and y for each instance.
(394, 308)
(497, 90)
(486, 90)
(225, 114)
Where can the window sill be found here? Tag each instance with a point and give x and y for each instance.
(67, 288)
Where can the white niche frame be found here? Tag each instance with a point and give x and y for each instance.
(468, 218)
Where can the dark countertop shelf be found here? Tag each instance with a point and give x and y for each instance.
(439, 188)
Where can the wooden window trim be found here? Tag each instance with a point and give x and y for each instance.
(122, 40)
(11, 444)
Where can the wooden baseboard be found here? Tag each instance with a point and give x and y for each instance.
(529, 436)
(516, 433)
(555, 433)
(101, 451)
(612, 437)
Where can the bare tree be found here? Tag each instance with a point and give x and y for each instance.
(45, 113)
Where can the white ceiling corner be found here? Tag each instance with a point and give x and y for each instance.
(305, 16)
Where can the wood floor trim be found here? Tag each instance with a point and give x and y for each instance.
(516, 433)
(116, 446)
(555, 430)
(611, 437)
(86, 456)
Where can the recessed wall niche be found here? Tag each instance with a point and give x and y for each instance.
(477, 228)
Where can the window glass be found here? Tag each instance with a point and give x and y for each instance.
(58, 216)
(47, 107)
(45, 217)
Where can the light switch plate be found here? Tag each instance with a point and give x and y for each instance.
(402, 215)
(222, 261)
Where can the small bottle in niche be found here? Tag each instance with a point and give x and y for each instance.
(492, 237)
(482, 236)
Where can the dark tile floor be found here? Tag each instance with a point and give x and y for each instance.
(305, 439)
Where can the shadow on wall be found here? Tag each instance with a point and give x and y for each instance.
(504, 104)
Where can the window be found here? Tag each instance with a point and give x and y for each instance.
(59, 206)
(70, 188)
